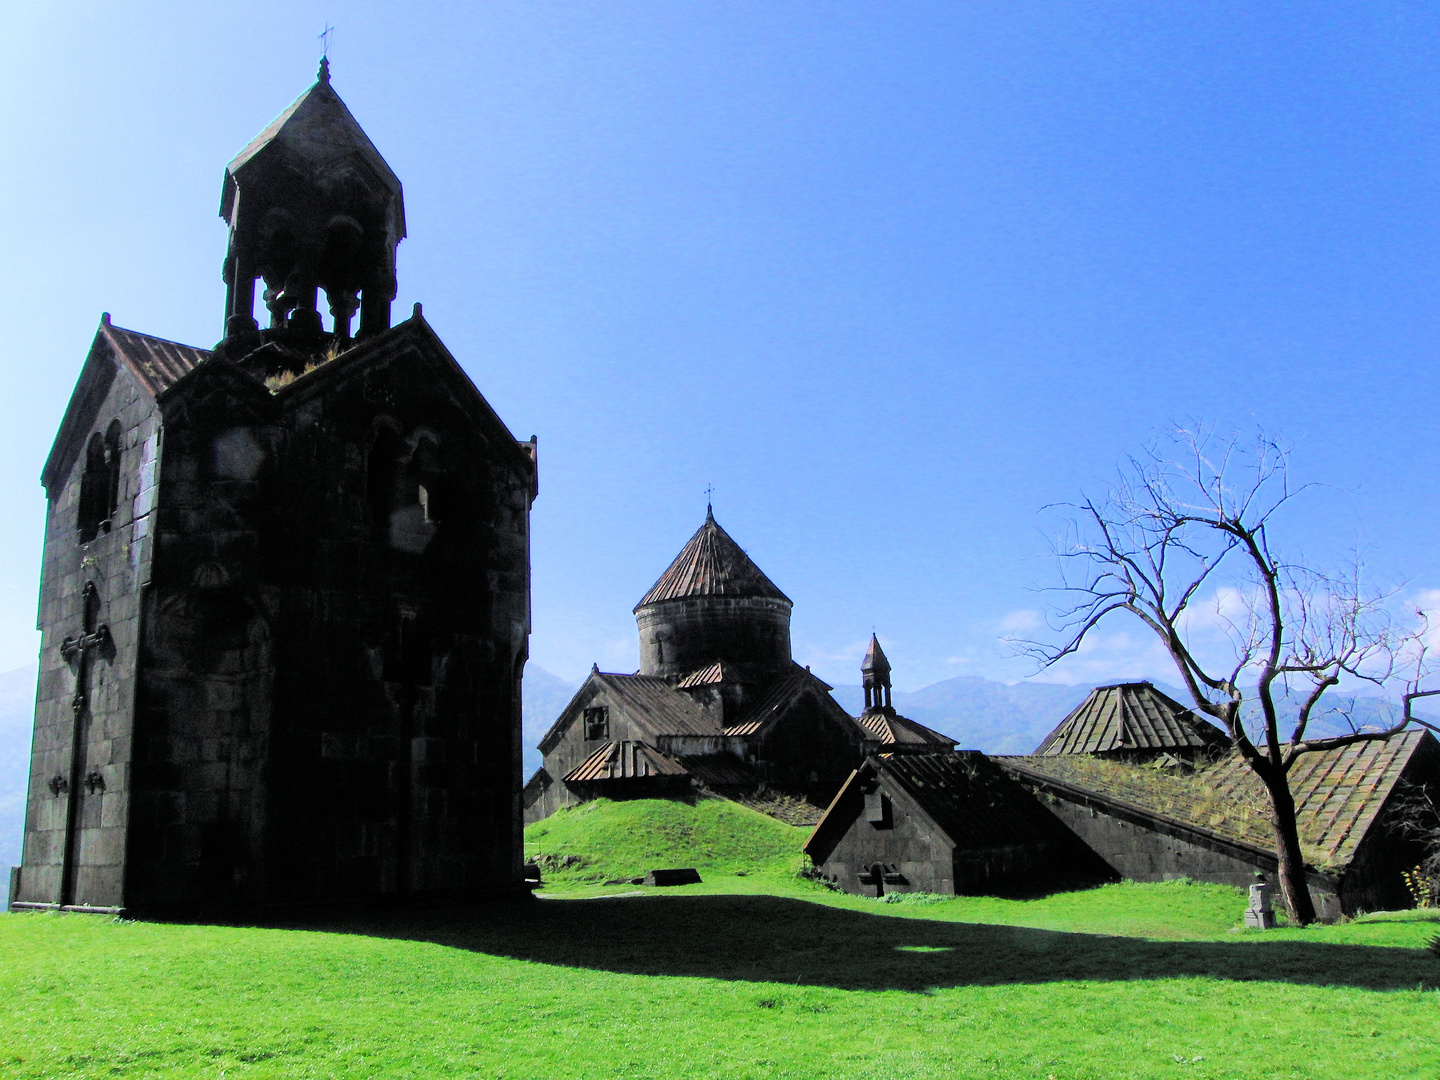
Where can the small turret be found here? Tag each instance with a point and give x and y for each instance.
(875, 675)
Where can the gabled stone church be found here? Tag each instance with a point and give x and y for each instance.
(285, 594)
(718, 702)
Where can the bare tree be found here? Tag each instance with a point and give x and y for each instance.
(1182, 543)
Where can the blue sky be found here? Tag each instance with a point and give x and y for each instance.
(891, 277)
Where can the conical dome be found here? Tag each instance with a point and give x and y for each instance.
(712, 564)
(713, 604)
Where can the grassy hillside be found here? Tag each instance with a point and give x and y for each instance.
(605, 839)
(764, 975)
(678, 984)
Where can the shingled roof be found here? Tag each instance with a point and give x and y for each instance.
(712, 564)
(974, 803)
(625, 760)
(889, 728)
(156, 364)
(777, 698)
(1129, 716)
(1338, 793)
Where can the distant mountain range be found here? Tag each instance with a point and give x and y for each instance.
(998, 718)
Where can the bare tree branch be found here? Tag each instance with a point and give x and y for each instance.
(1191, 517)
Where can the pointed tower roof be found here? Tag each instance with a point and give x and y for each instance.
(712, 564)
(318, 138)
(1129, 716)
(875, 660)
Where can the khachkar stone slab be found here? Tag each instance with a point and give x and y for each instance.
(1260, 915)
(284, 599)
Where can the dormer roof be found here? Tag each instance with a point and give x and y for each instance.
(712, 564)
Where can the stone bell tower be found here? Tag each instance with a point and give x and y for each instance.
(285, 594)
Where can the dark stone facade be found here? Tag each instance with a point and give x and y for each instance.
(938, 823)
(961, 822)
(285, 596)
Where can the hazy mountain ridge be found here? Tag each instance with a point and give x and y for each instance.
(979, 714)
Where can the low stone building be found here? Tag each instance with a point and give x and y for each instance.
(1139, 787)
(937, 823)
(1213, 824)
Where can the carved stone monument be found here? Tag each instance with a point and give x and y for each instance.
(1260, 915)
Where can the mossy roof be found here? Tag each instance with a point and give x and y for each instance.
(1339, 793)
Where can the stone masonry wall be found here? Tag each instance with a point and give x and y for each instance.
(80, 801)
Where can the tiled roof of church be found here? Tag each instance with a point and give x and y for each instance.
(157, 363)
(891, 729)
(1129, 716)
(712, 564)
(717, 672)
(1338, 793)
(777, 698)
(974, 802)
(657, 706)
(625, 760)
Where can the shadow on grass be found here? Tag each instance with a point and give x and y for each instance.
(779, 939)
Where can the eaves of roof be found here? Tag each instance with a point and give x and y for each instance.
(625, 760)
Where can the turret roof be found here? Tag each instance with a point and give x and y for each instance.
(318, 136)
(712, 564)
(875, 659)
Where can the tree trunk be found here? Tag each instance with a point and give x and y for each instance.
(1293, 887)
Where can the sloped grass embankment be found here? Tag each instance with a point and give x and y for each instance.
(603, 840)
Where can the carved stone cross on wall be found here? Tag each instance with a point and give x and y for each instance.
(93, 639)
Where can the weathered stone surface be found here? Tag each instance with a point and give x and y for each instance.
(315, 598)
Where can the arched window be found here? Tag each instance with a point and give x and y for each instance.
(427, 482)
(382, 477)
(100, 483)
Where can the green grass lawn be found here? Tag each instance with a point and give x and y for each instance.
(764, 975)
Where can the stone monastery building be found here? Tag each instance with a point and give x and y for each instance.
(285, 595)
(718, 702)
